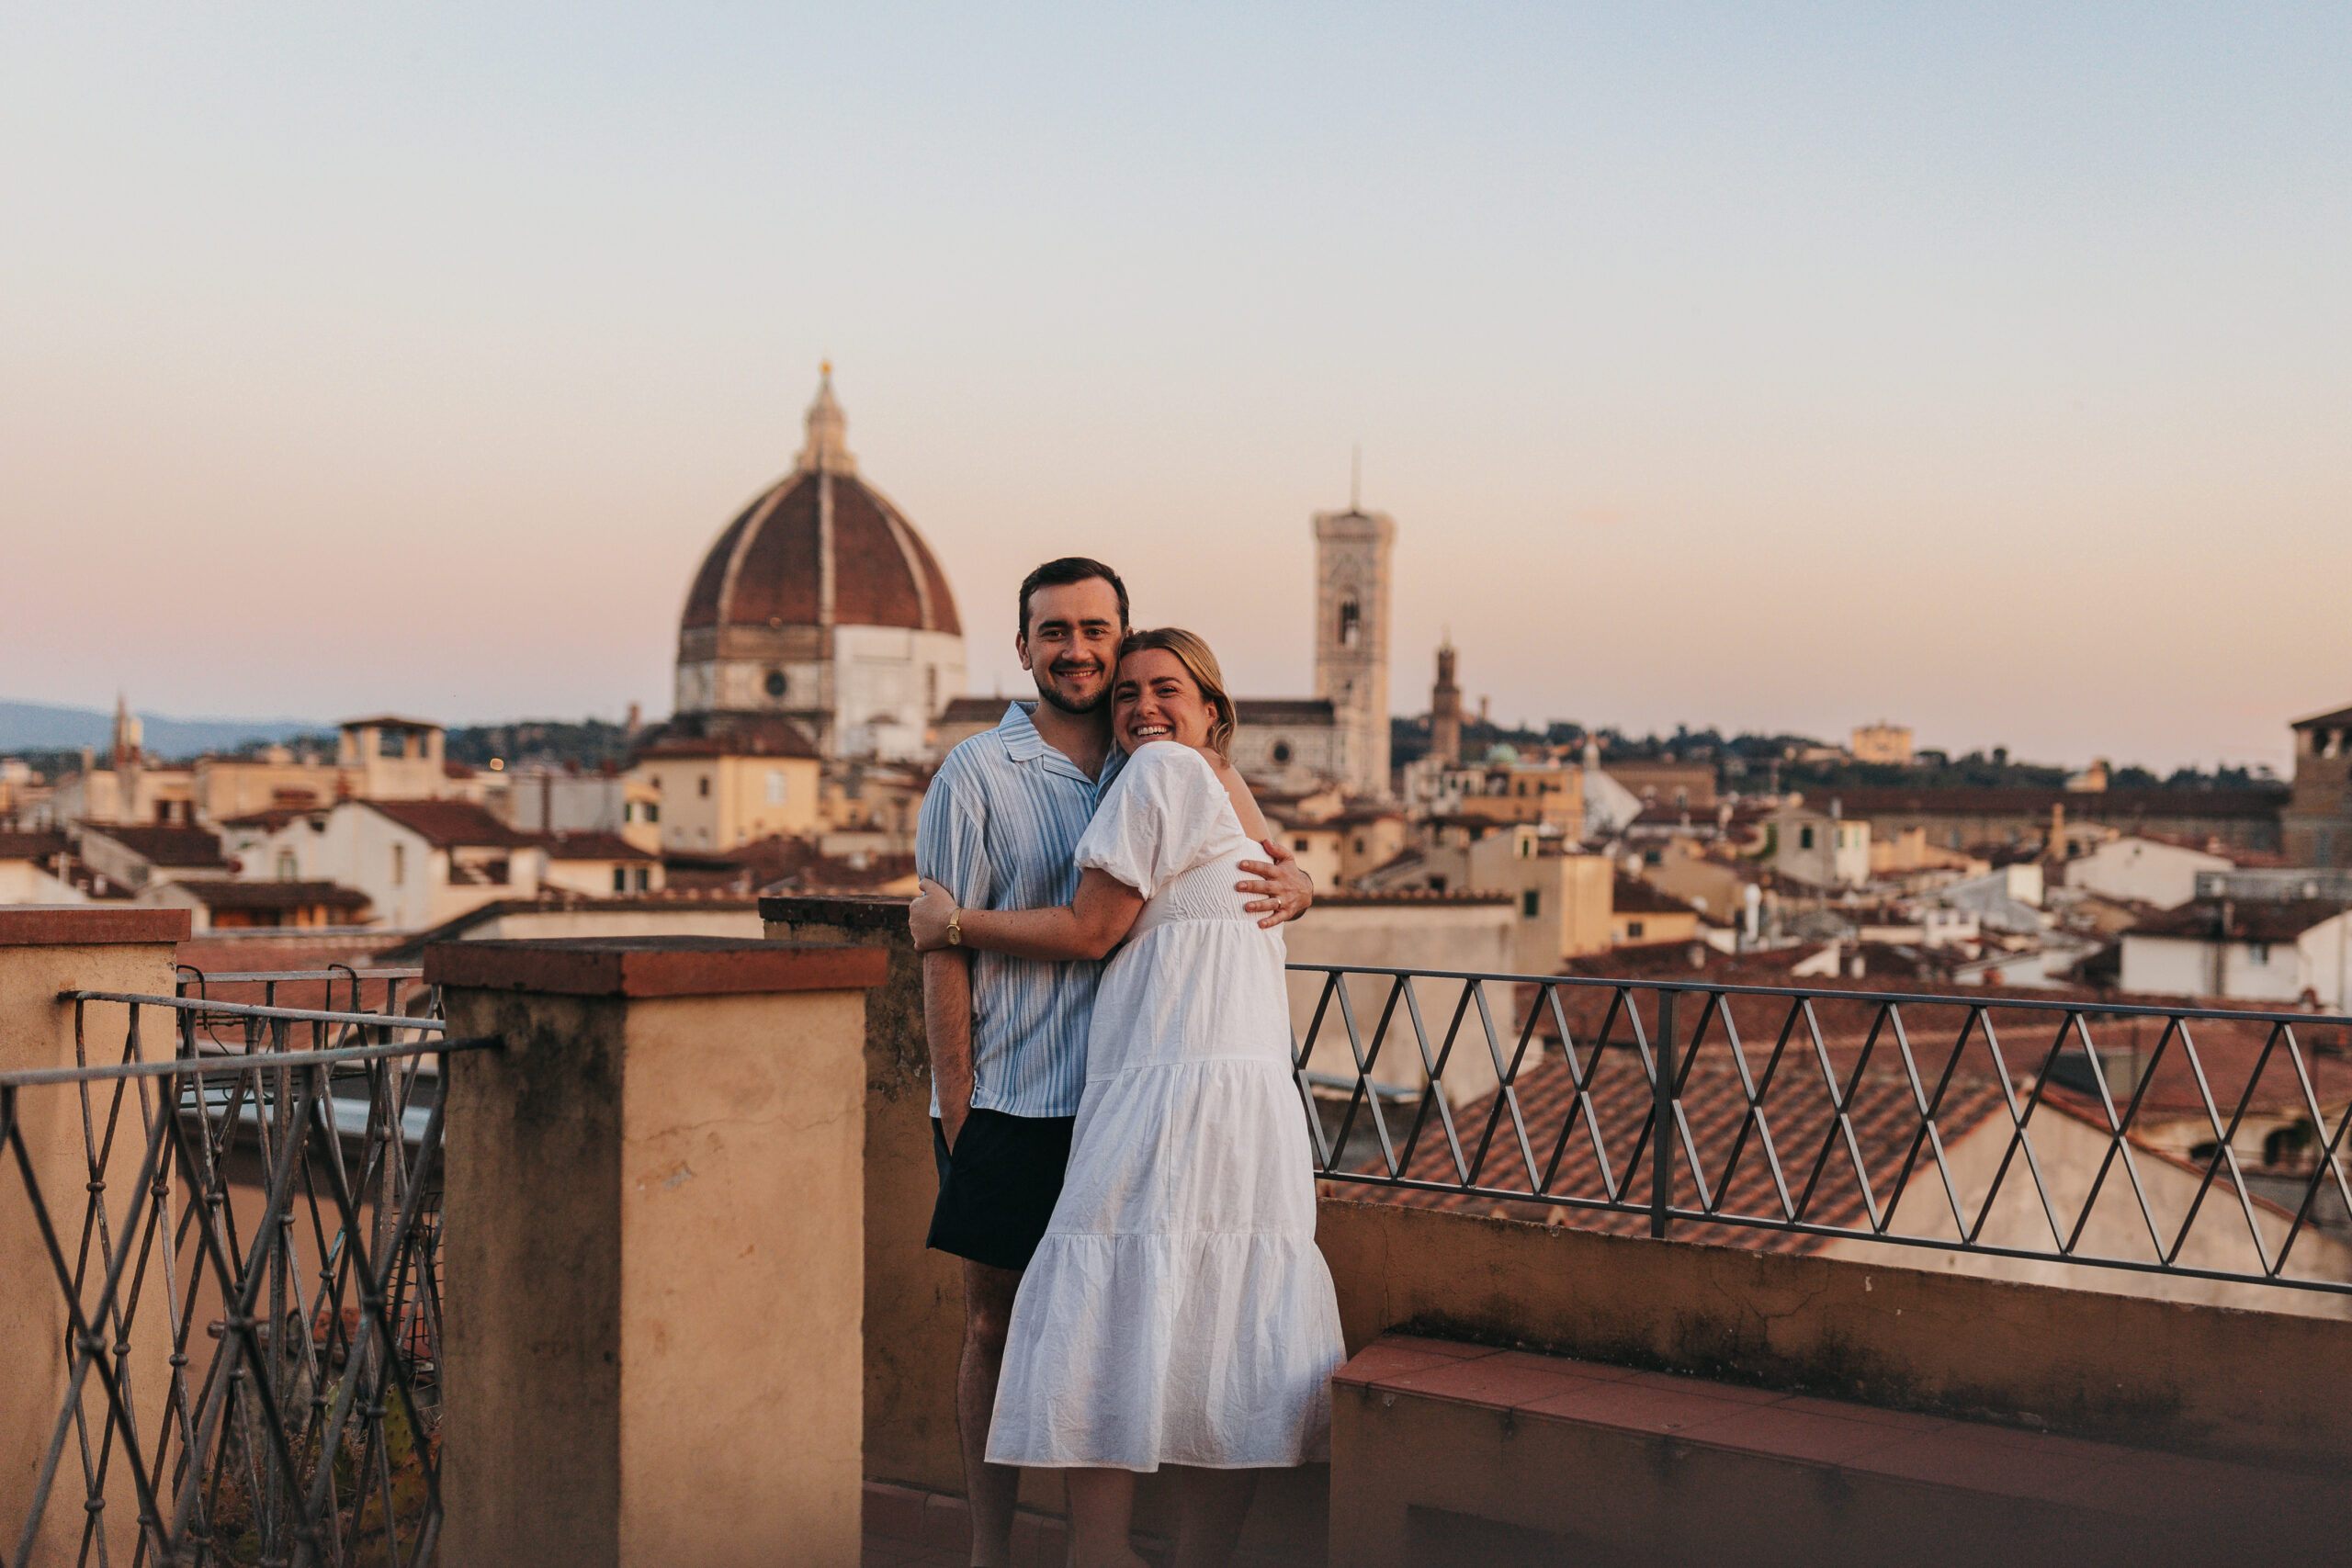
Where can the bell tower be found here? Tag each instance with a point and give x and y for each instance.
(1351, 575)
(1445, 708)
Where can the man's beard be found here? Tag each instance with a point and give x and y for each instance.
(1045, 693)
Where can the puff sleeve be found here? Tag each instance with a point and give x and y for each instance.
(1165, 814)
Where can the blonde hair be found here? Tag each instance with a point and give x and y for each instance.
(1200, 664)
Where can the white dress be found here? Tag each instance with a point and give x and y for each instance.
(1177, 1311)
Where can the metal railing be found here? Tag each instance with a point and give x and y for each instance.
(248, 1273)
(2122, 1137)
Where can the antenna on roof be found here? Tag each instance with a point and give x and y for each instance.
(1355, 478)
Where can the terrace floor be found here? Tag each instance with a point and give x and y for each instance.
(906, 1528)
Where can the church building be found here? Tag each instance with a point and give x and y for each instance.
(819, 613)
(1342, 733)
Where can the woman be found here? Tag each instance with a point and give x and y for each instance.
(1177, 1312)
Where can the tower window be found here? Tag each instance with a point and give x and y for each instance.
(776, 684)
(1351, 623)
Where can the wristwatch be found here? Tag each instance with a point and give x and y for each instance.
(956, 929)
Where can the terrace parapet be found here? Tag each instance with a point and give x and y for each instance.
(656, 1218)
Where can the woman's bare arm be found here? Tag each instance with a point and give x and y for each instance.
(1088, 926)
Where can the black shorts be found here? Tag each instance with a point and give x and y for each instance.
(997, 1190)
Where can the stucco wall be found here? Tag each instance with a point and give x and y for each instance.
(2246, 1385)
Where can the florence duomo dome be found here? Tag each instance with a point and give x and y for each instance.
(820, 604)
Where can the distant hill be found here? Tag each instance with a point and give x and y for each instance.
(38, 727)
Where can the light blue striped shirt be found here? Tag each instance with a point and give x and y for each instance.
(1000, 830)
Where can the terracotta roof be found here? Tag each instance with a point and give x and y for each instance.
(1632, 895)
(728, 735)
(2248, 919)
(1310, 711)
(31, 846)
(275, 817)
(164, 846)
(2248, 859)
(447, 824)
(590, 846)
(2100, 806)
(273, 895)
(974, 710)
(765, 566)
(1796, 1107)
(2341, 715)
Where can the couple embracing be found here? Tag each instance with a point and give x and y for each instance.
(1123, 1166)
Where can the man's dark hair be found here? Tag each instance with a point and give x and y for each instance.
(1061, 573)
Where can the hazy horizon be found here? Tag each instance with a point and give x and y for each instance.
(1981, 369)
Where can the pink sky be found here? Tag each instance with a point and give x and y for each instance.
(1976, 370)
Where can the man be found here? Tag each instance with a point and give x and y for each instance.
(1000, 830)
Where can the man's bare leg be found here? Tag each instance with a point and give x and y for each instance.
(991, 1489)
(1211, 1506)
(1102, 1518)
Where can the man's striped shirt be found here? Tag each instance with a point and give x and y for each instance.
(1000, 830)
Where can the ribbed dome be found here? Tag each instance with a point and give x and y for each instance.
(770, 567)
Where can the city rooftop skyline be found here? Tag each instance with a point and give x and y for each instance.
(1980, 369)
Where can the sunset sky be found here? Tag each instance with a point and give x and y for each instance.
(1987, 369)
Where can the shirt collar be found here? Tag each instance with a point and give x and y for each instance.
(1023, 744)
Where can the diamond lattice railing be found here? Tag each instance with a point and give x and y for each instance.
(247, 1276)
(2179, 1141)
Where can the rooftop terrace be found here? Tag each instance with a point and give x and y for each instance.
(610, 1252)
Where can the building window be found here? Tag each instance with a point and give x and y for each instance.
(1632, 930)
(287, 870)
(400, 864)
(2258, 953)
(776, 786)
(702, 786)
(776, 684)
(628, 811)
(645, 879)
(1530, 903)
(1281, 751)
(620, 879)
(1351, 623)
(1436, 883)
(1804, 838)
(1359, 846)
(652, 812)
(1299, 845)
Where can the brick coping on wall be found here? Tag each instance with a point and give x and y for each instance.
(80, 925)
(851, 911)
(649, 967)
